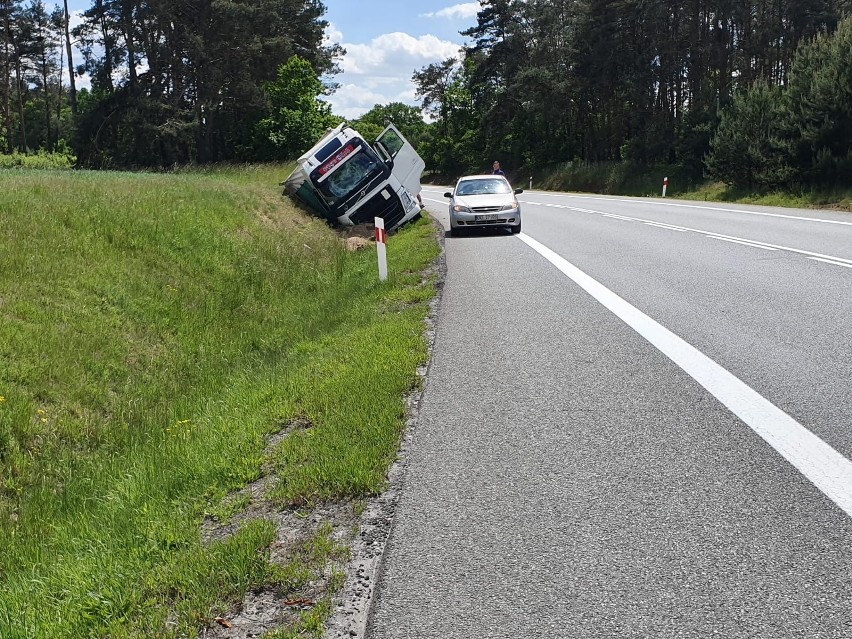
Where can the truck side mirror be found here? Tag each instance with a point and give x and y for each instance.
(448, 194)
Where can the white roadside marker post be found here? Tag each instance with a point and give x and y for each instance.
(382, 248)
(665, 185)
(531, 183)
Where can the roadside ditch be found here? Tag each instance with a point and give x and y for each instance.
(328, 558)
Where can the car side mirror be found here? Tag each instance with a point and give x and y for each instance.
(448, 194)
(518, 191)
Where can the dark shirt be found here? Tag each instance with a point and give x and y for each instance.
(498, 172)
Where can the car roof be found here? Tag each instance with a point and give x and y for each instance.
(482, 176)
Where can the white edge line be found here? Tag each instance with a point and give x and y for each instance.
(821, 464)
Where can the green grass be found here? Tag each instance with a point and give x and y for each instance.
(625, 178)
(613, 178)
(154, 331)
(840, 199)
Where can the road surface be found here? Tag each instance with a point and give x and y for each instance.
(637, 423)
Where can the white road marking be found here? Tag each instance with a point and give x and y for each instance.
(696, 206)
(751, 244)
(666, 226)
(823, 466)
(737, 240)
(819, 259)
(612, 215)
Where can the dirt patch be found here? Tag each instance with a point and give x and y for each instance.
(358, 237)
(269, 609)
(366, 231)
(357, 243)
(254, 495)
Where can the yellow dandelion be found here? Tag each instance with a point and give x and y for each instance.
(44, 420)
(2, 399)
(41, 411)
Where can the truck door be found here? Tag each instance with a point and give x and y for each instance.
(407, 165)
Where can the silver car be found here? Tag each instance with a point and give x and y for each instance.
(484, 201)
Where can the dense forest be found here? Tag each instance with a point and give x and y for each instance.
(172, 81)
(752, 93)
(758, 90)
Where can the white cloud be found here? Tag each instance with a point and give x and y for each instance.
(392, 52)
(332, 35)
(353, 100)
(463, 11)
(379, 72)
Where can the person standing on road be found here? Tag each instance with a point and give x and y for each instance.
(497, 170)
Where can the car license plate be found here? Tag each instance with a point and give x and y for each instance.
(485, 218)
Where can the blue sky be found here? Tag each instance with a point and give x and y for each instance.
(386, 41)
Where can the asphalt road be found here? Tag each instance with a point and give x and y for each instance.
(648, 438)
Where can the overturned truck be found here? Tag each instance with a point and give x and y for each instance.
(348, 181)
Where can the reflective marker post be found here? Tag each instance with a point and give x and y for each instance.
(382, 248)
(665, 185)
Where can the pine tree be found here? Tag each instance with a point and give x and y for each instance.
(820, 98)
(750, 148)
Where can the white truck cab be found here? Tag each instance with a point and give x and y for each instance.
(349, 181)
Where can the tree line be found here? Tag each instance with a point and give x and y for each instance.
(172, 81)
(705, 84)
(754, 93)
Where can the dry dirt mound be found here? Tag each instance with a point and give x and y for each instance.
(359, 237)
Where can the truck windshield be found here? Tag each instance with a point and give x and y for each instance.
(355, 172)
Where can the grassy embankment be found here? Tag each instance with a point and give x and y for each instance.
(155, 330)
(647, 180)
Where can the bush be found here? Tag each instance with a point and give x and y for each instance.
(62, 159)
(616, 178)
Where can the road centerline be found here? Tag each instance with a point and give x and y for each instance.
(816, 460)
(738, 240)
(833, 262)
(701, 207)
(741, 242)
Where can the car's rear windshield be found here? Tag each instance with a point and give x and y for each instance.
(485, 186)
